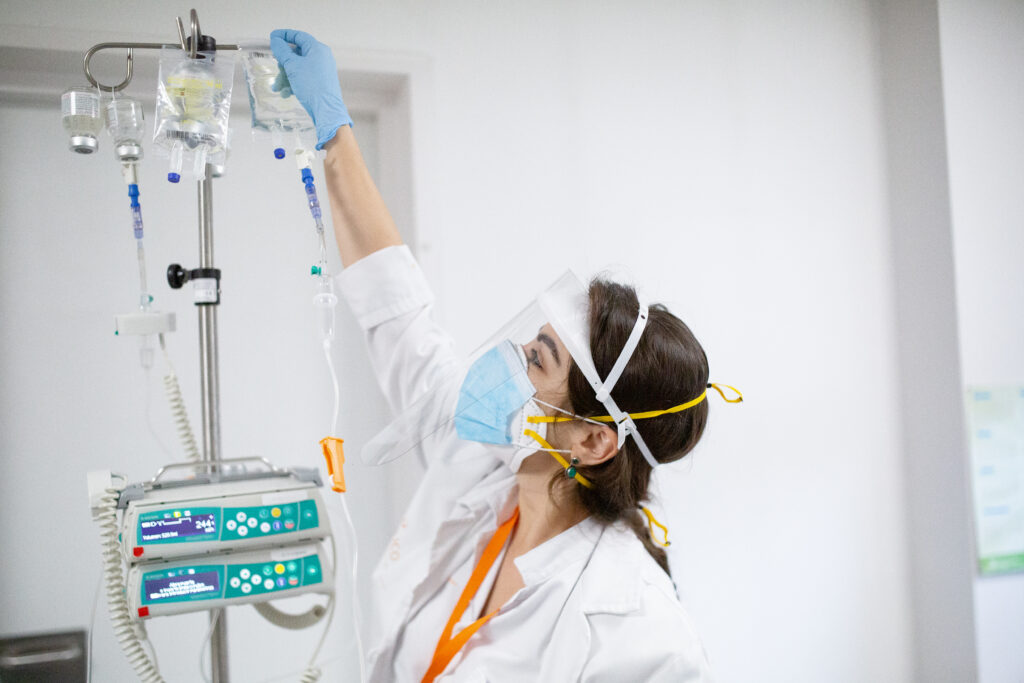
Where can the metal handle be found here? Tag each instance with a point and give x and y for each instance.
(191, 49)
(61, 655)
(211, 464)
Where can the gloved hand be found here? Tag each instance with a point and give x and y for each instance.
(313, 78)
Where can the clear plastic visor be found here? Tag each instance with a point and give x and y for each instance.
(528, 357)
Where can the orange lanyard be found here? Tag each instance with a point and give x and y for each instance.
(447, 646)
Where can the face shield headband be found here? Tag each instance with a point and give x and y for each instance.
(568, 313)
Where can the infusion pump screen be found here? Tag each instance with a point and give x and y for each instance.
(185, 586)
(177, 527)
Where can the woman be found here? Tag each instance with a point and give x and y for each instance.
(524, 554)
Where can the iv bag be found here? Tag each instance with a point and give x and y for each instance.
(271, 112)
(193, 105)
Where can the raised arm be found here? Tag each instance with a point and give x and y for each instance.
(362, 223)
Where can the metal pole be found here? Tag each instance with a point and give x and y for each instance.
(210, 393)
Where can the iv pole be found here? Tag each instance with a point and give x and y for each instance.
(208, 359)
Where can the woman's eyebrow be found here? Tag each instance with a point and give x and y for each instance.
(550, 343)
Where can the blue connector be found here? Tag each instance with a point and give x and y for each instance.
(279, 153)
(173, 177)
(314, 203)
(133, 194)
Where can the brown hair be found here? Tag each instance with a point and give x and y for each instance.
(668, 368)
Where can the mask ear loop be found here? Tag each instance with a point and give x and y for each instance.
(572, 417)
(570, 470)
(718, 388)
(651, 523)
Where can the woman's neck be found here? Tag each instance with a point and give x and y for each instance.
(544, 512)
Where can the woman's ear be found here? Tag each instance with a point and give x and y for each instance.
(594, 444)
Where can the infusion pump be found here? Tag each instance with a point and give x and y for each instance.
(220, 538)
(197, 516)
(192, 584)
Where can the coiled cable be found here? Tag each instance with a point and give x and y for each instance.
(129, 635)
(178, 412)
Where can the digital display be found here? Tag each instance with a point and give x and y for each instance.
(178, 527)
(182, 587)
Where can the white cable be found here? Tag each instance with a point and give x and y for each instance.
(92, 626)
(125, 630)
(149, 417)
(178, 412)
(206, 641)
(313, 672)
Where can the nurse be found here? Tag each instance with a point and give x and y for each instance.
(525, 554)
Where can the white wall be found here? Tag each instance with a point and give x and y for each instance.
(732, 156)
(983, 59)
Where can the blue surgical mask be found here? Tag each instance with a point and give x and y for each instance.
(495, 389)
(495, 403)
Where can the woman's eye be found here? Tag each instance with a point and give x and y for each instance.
(535, 358)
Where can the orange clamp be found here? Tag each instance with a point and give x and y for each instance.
(335, 456)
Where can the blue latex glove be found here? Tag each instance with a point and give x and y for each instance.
(312, 77)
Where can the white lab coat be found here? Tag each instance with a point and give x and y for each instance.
(595, 606)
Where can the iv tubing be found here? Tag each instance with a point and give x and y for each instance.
(137, 229)
(356, 618)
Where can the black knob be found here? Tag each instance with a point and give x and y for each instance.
(176, 276)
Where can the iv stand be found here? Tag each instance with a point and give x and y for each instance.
(208, 360)
(210, 393)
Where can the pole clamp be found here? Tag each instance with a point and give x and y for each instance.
(205, 283)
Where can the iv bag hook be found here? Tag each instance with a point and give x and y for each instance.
(196, 32)
(189, 45)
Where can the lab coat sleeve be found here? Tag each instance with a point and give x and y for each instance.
(390, 298)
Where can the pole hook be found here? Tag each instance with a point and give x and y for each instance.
(128, 72)
(183, 43)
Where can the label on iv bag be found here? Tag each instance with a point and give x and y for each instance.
(204, 291)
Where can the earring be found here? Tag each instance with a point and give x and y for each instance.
(570, 471)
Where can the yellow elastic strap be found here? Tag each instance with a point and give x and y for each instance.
(651, 523)
(650, 413)
(558, 456)
(718, 388)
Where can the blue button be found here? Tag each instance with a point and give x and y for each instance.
(280, 581)
(277, 526)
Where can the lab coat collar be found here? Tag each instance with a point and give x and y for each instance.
(613, 581)
(572, 546)
(611, 559)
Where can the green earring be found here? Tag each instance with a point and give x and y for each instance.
(570, 472)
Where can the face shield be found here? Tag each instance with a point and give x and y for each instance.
(516, 384)
(520, 371)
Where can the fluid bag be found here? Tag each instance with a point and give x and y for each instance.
(193, 104)
(275, 110)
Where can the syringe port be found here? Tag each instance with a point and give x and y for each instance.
(173, 177)
(279, 153)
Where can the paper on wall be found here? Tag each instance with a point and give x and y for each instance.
(995, 420)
